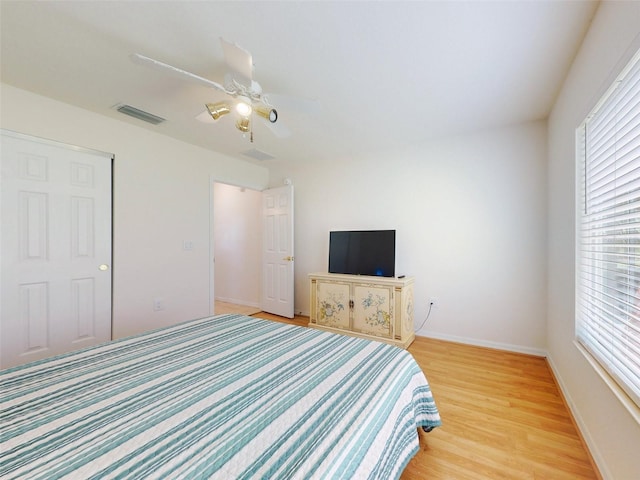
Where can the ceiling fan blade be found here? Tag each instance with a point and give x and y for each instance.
(157, 65)
(294, 104)
(239, 62)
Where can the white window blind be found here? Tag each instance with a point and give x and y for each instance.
(608, 256)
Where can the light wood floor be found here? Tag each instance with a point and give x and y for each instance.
(226, 307)
(503, 417)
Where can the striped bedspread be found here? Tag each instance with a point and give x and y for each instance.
(222, 397)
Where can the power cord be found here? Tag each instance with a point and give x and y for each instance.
(426, 318)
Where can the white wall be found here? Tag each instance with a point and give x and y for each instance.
(609, 429)
(161, 199)
(238, 244)
(470, 215)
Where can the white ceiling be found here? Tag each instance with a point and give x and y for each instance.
(388, 74)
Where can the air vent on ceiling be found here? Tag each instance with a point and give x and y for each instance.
(257, 155)
(140, 114)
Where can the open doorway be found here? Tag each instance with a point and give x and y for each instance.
(237, 249)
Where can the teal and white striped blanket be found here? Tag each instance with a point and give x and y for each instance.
(222, 397)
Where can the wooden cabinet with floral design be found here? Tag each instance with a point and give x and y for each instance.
(334, 304)
(378, 308)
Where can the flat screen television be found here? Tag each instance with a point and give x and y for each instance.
(363, 252)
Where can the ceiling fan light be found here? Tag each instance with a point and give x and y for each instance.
(243, 124)
(243, 108)
(216, 110)
(267, 112)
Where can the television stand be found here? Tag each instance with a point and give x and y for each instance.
(377, 308)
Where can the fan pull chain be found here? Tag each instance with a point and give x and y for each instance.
(251, 127)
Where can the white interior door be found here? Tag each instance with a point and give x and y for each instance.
(55, 268)
(277, 255)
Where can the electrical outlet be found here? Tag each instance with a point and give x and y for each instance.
(158, 304)
(433, 303)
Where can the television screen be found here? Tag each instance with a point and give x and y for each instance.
(363, 252)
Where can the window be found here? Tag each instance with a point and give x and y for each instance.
(608, 253)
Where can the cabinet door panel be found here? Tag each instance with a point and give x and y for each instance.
(373, 310)
(333, 304)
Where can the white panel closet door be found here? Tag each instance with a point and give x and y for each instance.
(55, 268)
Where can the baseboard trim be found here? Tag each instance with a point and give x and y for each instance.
(597, 461)
(484, 343)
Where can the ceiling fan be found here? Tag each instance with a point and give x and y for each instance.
(247, 97)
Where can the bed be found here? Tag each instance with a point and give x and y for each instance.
(222, 397)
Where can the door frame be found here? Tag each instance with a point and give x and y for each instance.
(212, 247)
(212, 181)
